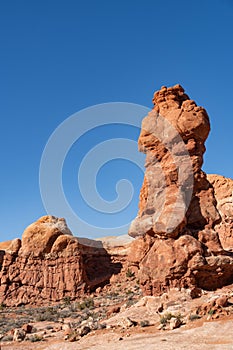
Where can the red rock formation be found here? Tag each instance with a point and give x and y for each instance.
(183, 215)
(184, 224)
(46, 266)
(223, 191)
(50, 264)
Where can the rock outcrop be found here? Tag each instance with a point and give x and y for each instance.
(185, 218)
(46, 265)
(50, 264)
(183, 230)
(223, 191)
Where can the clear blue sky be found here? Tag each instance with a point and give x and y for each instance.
(58, 57)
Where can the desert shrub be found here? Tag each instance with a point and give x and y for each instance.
(178, 316)
(128, 292)
(7, 337)
(86, 304)
(144, 323)
(166, 317)
(12, 323)
(130, 302)
(211, 312)
(74, 306)
(66, 301)
(114, 295)
(50, 314)
(193, 317)
(129, 273)
(35, 338)
(73, 336)
(102, 325)
(2, 306)
(49, 327)
(65, 313)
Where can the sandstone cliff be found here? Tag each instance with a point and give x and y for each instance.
(50, 264)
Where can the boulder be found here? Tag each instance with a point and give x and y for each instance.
(39, 237)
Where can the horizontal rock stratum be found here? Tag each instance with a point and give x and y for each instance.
(185, 217)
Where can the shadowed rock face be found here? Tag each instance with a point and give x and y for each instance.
(50, 264)
(185, 218)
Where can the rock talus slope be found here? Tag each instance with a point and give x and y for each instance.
(184, 223)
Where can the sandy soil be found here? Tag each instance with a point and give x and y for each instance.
(209, 331)
(207, 336)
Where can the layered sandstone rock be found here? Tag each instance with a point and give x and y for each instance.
(46, 265)
(185, 218)
(223, 191)
(50, 264)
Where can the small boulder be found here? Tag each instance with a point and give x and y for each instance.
(127, 323)
(84, 331)
(113, 310)
(160, 308)
(27, 328)
(222, 301)
(175, 323)
(67, 328)
(195, 292)
(19, 335)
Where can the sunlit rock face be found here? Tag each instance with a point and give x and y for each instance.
(223, 191)
(185, 219)
(49, 264)
(46, 265)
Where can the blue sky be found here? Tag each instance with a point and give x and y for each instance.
(58, 57)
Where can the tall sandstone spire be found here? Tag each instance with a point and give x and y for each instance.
(183, 214)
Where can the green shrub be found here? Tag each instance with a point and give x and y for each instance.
(66, 301)
(86, 304)
(49, 314)
(166, 317)
(211, 312)
(128, 292)
(130, 273)
(2, 306)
